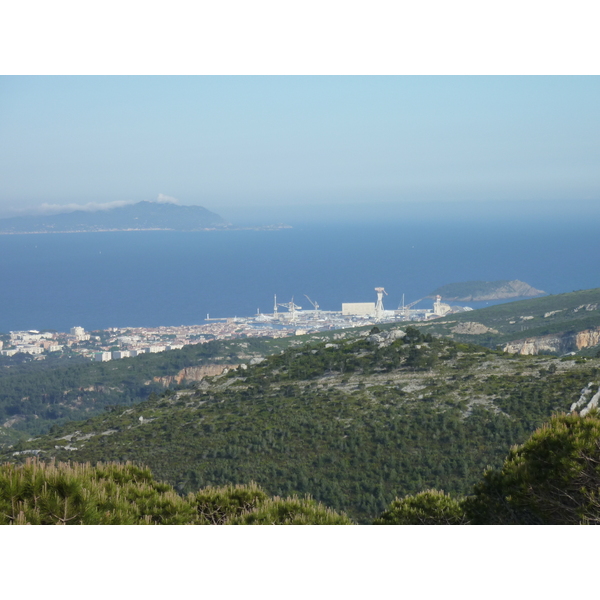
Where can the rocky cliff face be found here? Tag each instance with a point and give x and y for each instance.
(558, 343)
(193, 374)
(472, 328)
(587, 338)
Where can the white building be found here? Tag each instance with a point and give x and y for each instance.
(79, 334)
(102, 356)
(121, 354)
(30, 349)
(154, 349)
(129, 339)
(362, 309)
(28, 336)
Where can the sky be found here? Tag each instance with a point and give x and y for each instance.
(279, 146)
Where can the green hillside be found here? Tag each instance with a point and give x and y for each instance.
(354, 423)
(38, 394)
(34, 397)
(551, 479)
(572, 312)
(354, 418)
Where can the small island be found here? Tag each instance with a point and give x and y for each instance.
(481, 291)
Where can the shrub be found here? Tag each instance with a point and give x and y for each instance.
(125, 494)
(73, 494)
(553, 478)
(290, 511)
(215, 505)
(431, 507)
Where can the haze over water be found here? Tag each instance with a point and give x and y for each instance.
(116, 279)
(408, 183)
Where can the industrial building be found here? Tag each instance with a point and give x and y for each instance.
(352, 314)
(364, 309)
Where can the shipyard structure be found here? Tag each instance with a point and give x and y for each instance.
(352, 314)
(287, 319)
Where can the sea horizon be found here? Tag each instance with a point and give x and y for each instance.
(152, 278)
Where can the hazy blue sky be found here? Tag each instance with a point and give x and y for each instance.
(235, 144)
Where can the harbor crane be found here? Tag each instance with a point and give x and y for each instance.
(292, 308)
(315, 305)
(379, 306)
(404, 308)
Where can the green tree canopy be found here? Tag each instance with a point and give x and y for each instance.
(553, 478)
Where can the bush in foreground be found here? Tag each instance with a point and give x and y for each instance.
(40, 493)
(217, 505)
(551, 479)
(431, 507)
(290, 511)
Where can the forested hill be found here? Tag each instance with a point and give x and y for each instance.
(355, 422)
(559, 316)
(36, 395)
(142, 215)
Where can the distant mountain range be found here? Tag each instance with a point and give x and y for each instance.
(139, 216)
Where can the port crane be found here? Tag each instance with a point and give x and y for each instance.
(292, 308)
(379, 306)
(404, 308)
(315, 305)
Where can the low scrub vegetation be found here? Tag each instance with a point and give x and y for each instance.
(353, 422)
(551, 479)
(38, 493)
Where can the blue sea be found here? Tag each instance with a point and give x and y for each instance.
(151, 278)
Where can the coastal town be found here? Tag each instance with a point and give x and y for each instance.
(125, 342)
